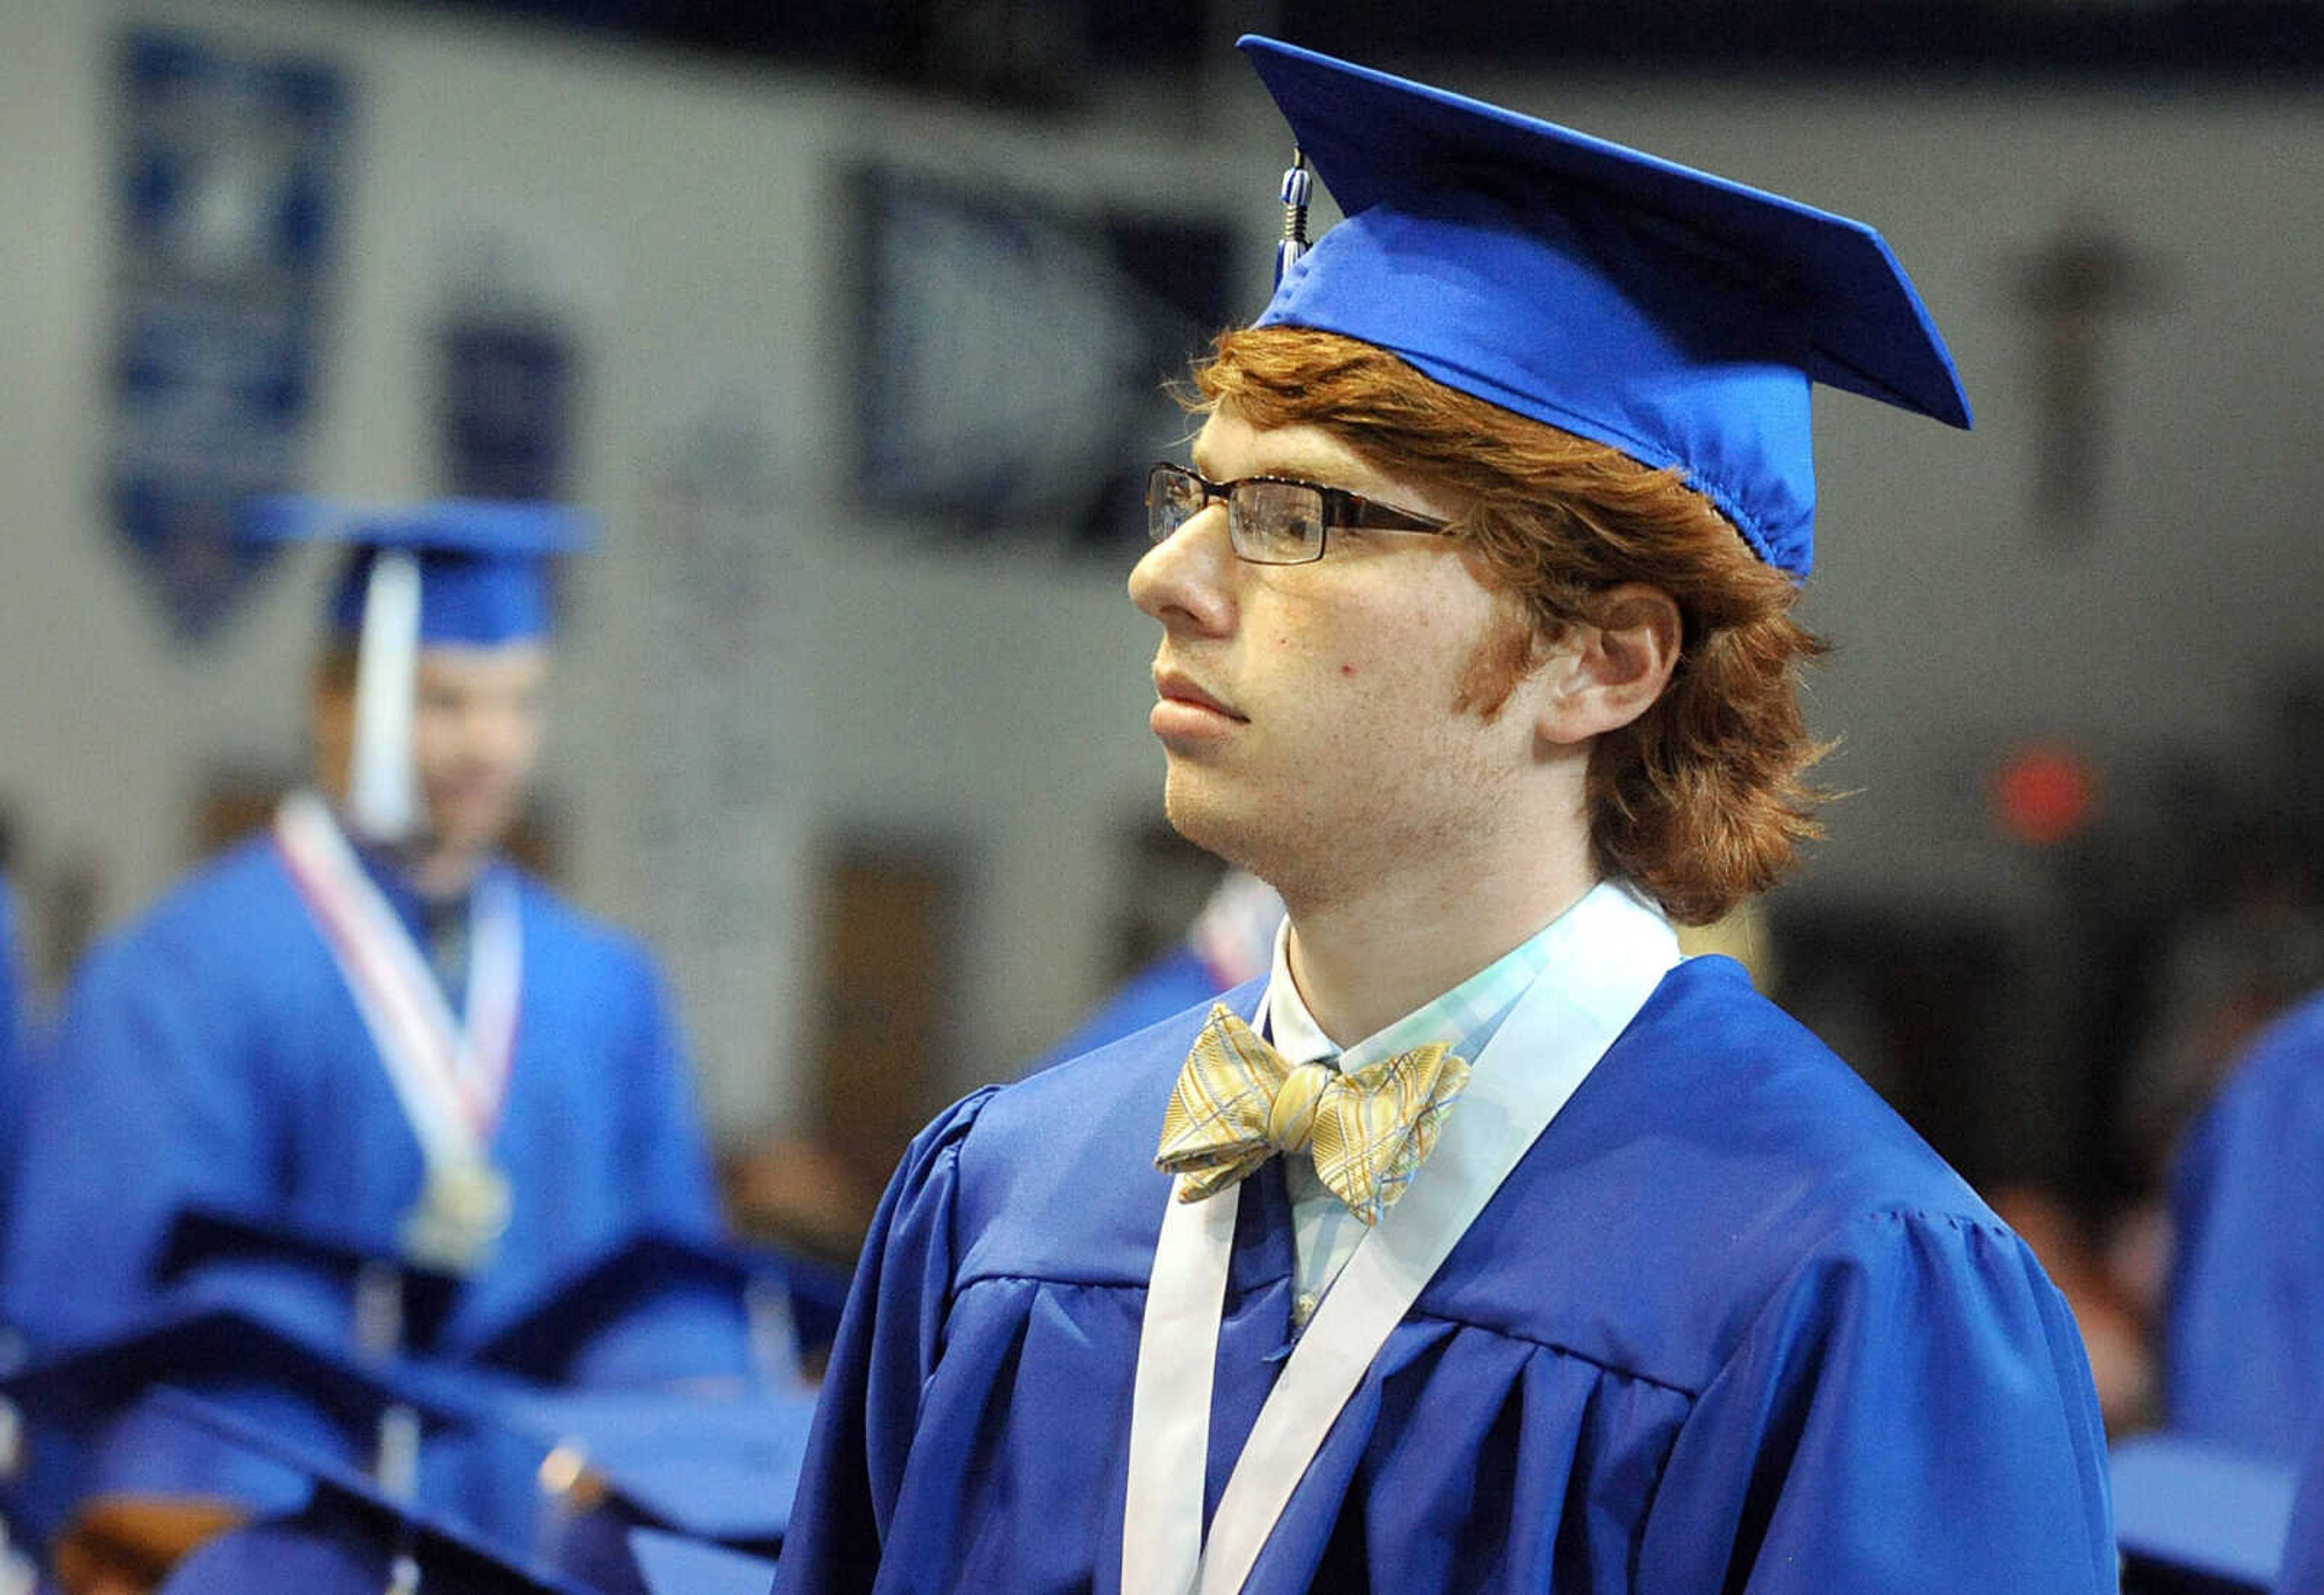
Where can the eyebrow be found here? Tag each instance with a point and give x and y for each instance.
(1294, 467)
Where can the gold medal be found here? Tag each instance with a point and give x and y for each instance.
(462, 1212)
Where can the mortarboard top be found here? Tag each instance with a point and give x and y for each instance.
(1674, 316)
(306, 1277)
(720, 1468)
(673, 1564)
(89, 1419)
(623, 1317)
(349, 1537)
(2197, 1518)
(481, 581)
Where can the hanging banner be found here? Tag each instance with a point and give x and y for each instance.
(1011, 352)
(230, 178)
(726, 834)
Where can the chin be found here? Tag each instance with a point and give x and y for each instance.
(473, 830)
(1215, 826)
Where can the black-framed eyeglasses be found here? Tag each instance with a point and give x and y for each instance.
(1270, 520)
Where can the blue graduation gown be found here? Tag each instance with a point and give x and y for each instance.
(1728, 1325)
(211, 1052)
(2243, 1327)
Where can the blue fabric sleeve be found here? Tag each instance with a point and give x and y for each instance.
(145, 1103)
(889, 1338)
(1911, 1412)
(669, 1149)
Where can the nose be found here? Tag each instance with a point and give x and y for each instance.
(1185, 581)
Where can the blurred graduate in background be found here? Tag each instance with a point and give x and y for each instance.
(1231, 941)
(2243, 1349)
(367, 1027)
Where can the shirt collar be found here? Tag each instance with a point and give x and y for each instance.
(1454, 1015)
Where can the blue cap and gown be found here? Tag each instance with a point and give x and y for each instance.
(1728, 1324)
(210, 1054)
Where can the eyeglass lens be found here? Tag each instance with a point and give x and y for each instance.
(1270, 522)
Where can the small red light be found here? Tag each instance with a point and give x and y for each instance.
(2043, 794)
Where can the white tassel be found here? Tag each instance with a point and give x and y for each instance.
(383, 803)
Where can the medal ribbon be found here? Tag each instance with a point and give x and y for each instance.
(1611, 951)
(451, 1080)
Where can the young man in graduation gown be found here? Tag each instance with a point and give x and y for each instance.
(366, 1021)
(1485, 1245)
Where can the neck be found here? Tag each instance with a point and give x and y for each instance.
(436, 871)
(441, 874)
(1365, 958)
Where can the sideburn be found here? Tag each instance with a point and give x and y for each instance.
(1504, 657)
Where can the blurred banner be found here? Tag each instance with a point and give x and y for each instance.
(1013, 353)
(231, 174)
(723, 677)
(509, 364)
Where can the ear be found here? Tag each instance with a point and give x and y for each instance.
(1604, 674)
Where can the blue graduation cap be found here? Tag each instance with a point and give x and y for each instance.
(338, 1289)
(659, 1307)
(673, 1564)
(350, 1537)
(88, 1421)
(1672, 315)
(720, 1468)
(465, 572)
(2199, 1520)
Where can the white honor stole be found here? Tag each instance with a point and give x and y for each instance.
(1607, 956)
(450, 1079)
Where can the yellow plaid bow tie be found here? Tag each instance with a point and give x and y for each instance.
(1239, 1102)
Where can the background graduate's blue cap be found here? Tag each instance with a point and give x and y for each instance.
(481, 581)
(675, 1565)
(308, 1278)
(461, 571)
(91, 1420)
(720, 1467)
(2197, 1518)
(659, 1307)
(1672, 315)
(350, 1538)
